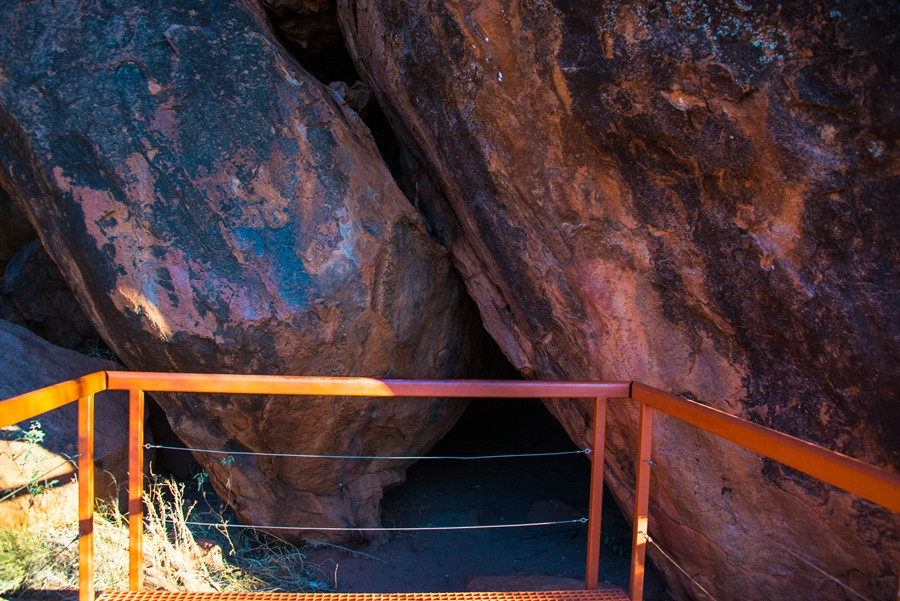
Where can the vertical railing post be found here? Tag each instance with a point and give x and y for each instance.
(641, 504)
(592, 574)
(135, 490)
(86, 498)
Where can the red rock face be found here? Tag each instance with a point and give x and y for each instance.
(215, 209)
(699, 196)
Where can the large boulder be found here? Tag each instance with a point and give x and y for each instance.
(38, 456)
(216, 209)
(699, 196)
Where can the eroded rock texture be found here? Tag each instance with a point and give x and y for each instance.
(697, 195)
(215, 209)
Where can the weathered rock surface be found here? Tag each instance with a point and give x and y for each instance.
(697, 195)
(34, 294)
(215, 209)
(27, 363)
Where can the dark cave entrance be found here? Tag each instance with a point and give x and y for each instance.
(501, 491)
(442, 492)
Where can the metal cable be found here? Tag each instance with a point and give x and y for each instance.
(13, 492)
(392, 457)
(381, 529)
(680, 569)
(751, 527)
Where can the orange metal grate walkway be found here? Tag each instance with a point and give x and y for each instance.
(579, 595)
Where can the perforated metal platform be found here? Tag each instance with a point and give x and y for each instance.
(581, 595)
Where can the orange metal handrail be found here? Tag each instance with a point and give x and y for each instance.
(875, 484)
(24, 406)
(867, 481)
(369, 387)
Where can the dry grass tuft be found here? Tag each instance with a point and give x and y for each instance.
(177, 555)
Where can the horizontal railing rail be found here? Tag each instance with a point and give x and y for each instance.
(368, 387)
(25, 406)
(869, 482)
(858, 477)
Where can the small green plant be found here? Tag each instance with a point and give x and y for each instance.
(614, 545)
(201, 478)
(29, 467)
(35, 433)
(96, 348)
(33, 437)
(38, 486)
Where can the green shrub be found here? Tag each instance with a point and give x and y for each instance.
(20, 555)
